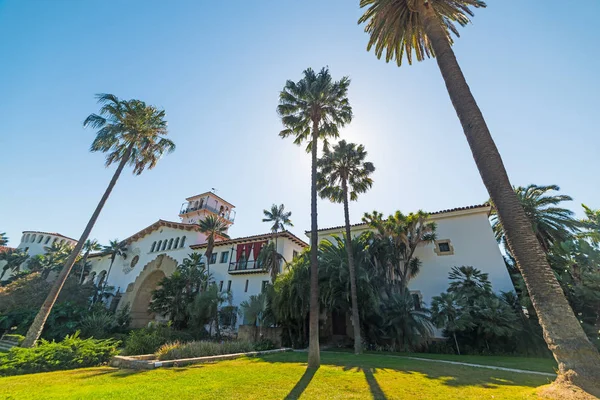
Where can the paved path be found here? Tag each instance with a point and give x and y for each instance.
(522, 371)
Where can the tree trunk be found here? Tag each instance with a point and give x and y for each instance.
(36, 328)
(578, 360)
(85, 257)
(314, 356)
(275, 270)
(353, 296)
(456, 342)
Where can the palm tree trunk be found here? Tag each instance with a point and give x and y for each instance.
(578, 360)
(85, 257)
(35, 330)
(314, 357)
(456, 342)
(275, 270)
(353, 296)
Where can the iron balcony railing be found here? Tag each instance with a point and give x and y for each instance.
(249, 266)
(228, 216)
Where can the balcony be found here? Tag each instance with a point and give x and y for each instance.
(245, 267)
(227, 216)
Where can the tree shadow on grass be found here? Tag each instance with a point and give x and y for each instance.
(113, 372)
(374, 387)
(302, 384)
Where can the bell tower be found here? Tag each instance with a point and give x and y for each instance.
(197, 207)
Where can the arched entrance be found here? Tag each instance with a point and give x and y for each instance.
(139, 292)
(140, 315)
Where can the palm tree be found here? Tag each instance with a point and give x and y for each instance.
(396, 240)
(212, 227)
(270, 259)
(445, 313)
(402, 26)
(130, 132)
(314, 109)
(88, 247)
(114, 249)
(280, 219)
(14, 258)
(343, 174)
(550, 223)
(3, 239)
(592, 224)
(253, 310)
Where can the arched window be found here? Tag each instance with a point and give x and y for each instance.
(54, 241)
(41, 238)
(33, 238)
(158, 247)
(62, 241)
(101, 278)
(23, 238)
(91, 277)
(47, 240)
(201, 203)
(182, 241)
(176, 243)
(164, 246)
(170, 244)
(27, 237)
(153, 247)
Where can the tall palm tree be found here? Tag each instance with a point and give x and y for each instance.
(550, 223)
(343, 174)
(313, 109)
(212, 227)
(115, 249)
(88, 247)
(130, 132)
(401, 27)
(3, 239)
(280, 219)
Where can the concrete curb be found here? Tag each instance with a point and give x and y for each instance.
(149, 361)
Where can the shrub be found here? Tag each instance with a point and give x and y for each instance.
(98, 325)
(264, 344)
(148, 340)
(13, 337)
(176, 350)
(72, 352)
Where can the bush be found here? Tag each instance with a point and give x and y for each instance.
(264, 344)
(176, 350)
(72, 352)
(148, 340)
(13, 337)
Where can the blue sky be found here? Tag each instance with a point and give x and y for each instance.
(217, 68)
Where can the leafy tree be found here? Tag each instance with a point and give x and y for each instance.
(396, 240)
(550, 223)
(114, 249)
(14, 258)
(313, 109)
(213, 227)
(254, 310)
(424, 27)
(88, 247)
(130, 132)
(592, 224)
(270, 259)
(407, 326)
(175, 293)
(205, 309)
(343, 175)
(446, 313)
(280, 219)
(468, 283)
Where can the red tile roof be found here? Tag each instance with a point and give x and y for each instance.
(484, 205)
(4, 249)
(262, 236)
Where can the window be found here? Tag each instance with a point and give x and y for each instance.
(54, 241)
(33, 238)
(224, 257)
(221, 286)
(27, 238)
(134, 261)
(176, 245)
(294, 255)
(153, 247)
(229, 286)
(62, 241)
(264, 285)
(246, 288)
(213, 258)
(170, 244)
(164, 246)
(158, 247)
(47, 240)
(416, 298)
(443, 247)
(40, 239)
(182, 241)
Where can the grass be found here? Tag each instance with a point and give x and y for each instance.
(527, 363)
(280, 376)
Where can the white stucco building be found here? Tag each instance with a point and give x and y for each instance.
(464, 235)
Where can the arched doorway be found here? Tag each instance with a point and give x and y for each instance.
(140, 316)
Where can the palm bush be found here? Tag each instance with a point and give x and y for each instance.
(177, 350)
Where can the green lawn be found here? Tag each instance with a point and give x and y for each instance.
(527, 363)
(280, 376)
